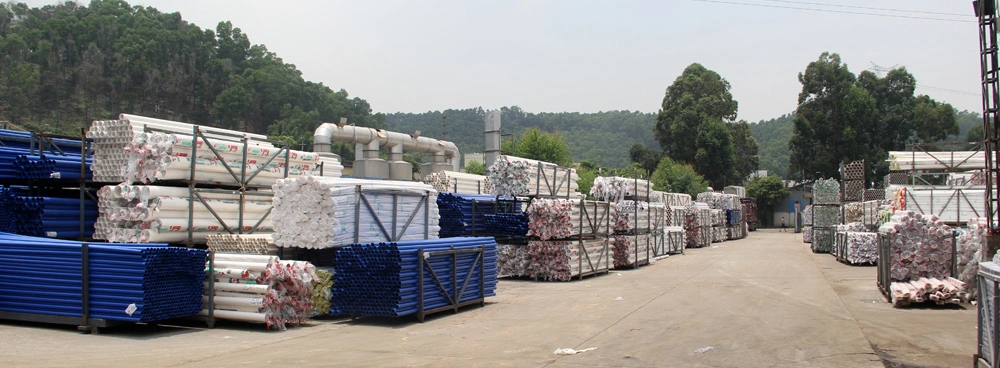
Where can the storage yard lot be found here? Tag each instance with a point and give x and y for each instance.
(765, 301)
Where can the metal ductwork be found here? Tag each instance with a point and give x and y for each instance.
(444, 154)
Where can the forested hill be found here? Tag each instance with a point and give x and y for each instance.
(773, 135)
(62, 66)
(603, 138)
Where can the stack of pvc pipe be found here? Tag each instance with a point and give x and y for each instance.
(321, 292)
(953, 204)
(719, 234)
(141, 213)
(563, 260)
(678, 213)
(515, 176)
(458, 182)
(329, 167)
(49, 166)
(24, 155)
(718, 217)
(676, 199)
(826, 191)
(807, 234)
(563, 218)
(826, 216)
(260, 289)
(862, 248)
(739, 192)
(616, 188)
(807, 215)
(693, 226)
(854, 212)
(946, 290)
(919, 246)
(167, 156)
(242, 243)
(512, 260)
(631, 250)
(473, 214)
(969, 247)
(381, 279)
(936, 160)
(720, 201)
(318, 212)
(51, 217)
(131, 283)
(852, 226)
(635, 216)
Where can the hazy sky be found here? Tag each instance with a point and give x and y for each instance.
(588, 56)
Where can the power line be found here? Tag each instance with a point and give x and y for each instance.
(955, 91)
(835, 11)
(869, 8)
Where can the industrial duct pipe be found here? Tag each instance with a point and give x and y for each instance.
(444, 154)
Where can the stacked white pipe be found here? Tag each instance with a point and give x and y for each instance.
(260, 289)
(144, 214)
(969, 251)
(564, 218)
(919, 246)
(739, 192)
(637, 216)
(122, 151)
(516, 176)
(936, 160)
(563, 260)
(720, 201)
(616, 188)
(676, 199)
(317, 212)
(458, 182)
(242, 243)
(953, 204)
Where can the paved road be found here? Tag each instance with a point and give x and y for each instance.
(765, 301)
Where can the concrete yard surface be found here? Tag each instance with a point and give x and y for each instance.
(764, 301)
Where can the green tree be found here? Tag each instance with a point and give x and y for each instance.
(538, 145)
(475, 167)
(746, 158)
(772, 137)
(975, 134)
(674, 177)
(646, 157)
(769, 191)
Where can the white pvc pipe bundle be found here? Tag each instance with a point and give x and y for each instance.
(638, 216)
(631, 250)
(242, 243)
(826, 191)
(458, 182)
(512, 260)
(143, 214)
(862, 248)
(616, 188)
(919, 246)
(676, 199)
(854, 212)
(738, 191)
(720, 201)
(563, 260)
(807, 234)
(516, 176)
(947, 290)
(718, 217)
(969, 248)
(951, 204)
(936, 160)
(564, 218)
(260, 289)
(316, 212)
(719, 234)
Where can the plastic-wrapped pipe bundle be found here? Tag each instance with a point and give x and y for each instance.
(382, 279)
(720, 201)
(242, 243)
(513, 260)
(969, 247)
(826, 216)
(515, 176)
(941, 291)
(130, 283)
(631, 250)
(807, 234)
(616, 188)
(140, 213)
(851, 227)
(826, 191)
(564, 260)
(317, 212)
(919, 246)
(632, 216)
(473, 214)
(676, 199)
(693, 225)
(953, 204)
(563, 218)
(740, 192)
(719, 234)
(854, 212)
(823, 239)
(261, 289)
(718, 217)
(862, 248)
(807, 215)
(458, 182)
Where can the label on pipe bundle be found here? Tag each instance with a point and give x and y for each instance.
(131, 309)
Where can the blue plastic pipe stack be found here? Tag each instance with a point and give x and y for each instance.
(18, 161)
(131, 283)
(475, 214)
(381, 279)
(45, 216)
